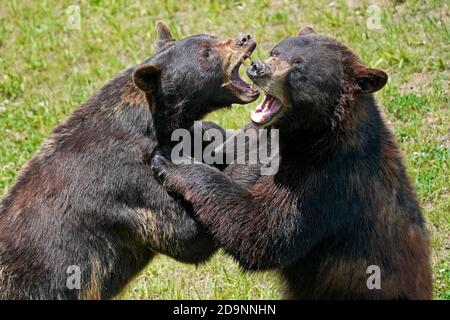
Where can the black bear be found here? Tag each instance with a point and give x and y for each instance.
(86, 214)
(340, 218)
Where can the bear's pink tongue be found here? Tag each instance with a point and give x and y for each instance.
(266, 109)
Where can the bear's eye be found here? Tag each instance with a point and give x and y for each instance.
(274, 53)
(206, 52)
(297, 61)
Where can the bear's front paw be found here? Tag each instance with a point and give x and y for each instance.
(160, 165)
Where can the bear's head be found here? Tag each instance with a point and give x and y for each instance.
(310, 82)
(188, 78)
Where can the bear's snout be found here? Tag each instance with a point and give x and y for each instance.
(257, 69)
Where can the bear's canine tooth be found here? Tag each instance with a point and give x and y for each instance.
(246, 61)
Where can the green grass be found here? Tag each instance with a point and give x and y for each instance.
(47, 70)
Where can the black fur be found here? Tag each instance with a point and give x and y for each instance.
(88, 198)
(341, 200)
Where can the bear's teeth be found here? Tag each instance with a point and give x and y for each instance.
(259, 108)
(266, 109)
(267, 102)
(245, 60)
(263, 105)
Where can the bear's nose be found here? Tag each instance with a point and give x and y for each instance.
(256, 69)
(241, 41)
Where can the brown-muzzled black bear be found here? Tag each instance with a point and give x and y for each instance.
(88, 201)
(340, 206)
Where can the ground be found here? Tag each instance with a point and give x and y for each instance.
(51, 62)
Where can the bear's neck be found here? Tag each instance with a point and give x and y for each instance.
(168, 117)
(361, 129)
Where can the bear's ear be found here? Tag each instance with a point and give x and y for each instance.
(163, 36)
(370, 80)
(146, 77)
(306, 30)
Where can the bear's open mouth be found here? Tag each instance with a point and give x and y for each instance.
(244, 88)
(266, 111)
(244, 91)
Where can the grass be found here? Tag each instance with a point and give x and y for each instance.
(48, 69)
